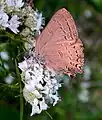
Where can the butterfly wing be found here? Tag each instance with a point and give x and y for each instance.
(59, 45)
(62, 57)
(61, 22)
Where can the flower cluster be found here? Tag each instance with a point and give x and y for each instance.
(33, 22)
(41, 84)
(7, 18)
(20, 18)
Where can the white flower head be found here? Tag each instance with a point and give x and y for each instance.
(41, 85)
(35, 107)
(14, 3)
(3, 19)
(14, 24)
(40, 20)
(23, 65)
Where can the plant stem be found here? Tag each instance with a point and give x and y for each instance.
(49, 115)
(21, 102)
(21, 96)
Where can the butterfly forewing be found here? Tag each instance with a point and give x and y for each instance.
(59, 44)
(60, 21)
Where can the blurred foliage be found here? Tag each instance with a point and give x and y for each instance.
(88, 18)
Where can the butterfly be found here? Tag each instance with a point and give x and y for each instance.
(60, 46)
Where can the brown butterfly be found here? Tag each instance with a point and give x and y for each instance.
(59, 45)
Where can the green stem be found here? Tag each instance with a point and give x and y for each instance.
(21, 102)
(21, 96)
(49, 115)
(13, 36)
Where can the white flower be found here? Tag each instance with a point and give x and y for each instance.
(10, 3)
(3, 19)
(14, 24)
(19, 3)
(6, 66)
(14, 3)
(43, 105)
(87, 73)
(41, 85)
(85, 85)
(9, 79)
(4, 55)
(88, 13)
(54, 98)
(35, 107)
(23, 65)
(83, 95)
(40, 20)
